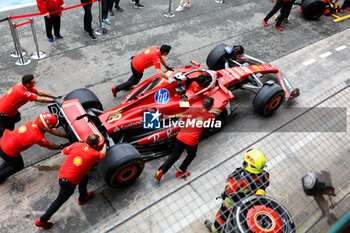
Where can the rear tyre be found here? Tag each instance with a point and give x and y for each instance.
(259, 214)
(312, 9)
(87, 98)
(268, 99)
(121, 166)
(215, 59)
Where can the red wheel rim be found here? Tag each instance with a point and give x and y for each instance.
(275, 102)
(262, 218)
(127, 174)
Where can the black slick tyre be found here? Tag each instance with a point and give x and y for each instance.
(121, 166)
(215, 59)
(87, 98)
(312, 9)
(269, 99)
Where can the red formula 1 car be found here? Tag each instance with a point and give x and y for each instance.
(136, 130)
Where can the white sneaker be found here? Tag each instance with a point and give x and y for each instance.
(188, 5)
(180, 8)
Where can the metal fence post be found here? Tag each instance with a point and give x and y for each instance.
(169, 13)
(101, 30)
(14, 53)
(37, 54)
(22, 60)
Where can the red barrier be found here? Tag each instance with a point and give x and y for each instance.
(37, 14)
(21, 24)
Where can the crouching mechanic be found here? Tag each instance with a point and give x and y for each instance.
(14, 142)
(247, 180)
(80, 158)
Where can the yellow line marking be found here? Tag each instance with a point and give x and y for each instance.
(341, 18)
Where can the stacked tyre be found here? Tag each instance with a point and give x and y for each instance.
(259, 214)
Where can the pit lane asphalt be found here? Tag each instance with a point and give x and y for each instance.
(78, 62)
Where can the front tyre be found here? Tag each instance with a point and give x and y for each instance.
(269, 99)
(216, 57)
(121, 166)
(87, 98)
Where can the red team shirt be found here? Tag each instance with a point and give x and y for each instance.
(14, 142)
(190, 135)
(80, 158)
(17, 96)
(147, 59)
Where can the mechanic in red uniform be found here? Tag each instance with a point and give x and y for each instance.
(14, 142)
(187, 139)
(142, 61)
(73, 172)
(247, 180)
(285, 6)
(17, 96)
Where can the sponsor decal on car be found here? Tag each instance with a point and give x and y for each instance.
(162, 96)
(157, 137)
(256, 67)
(114, 117)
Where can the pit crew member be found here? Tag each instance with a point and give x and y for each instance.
(187, 139)
(285, 6)
(17, 96)
(150, 57)
(14, 142)
(80, 158)
(244, 181)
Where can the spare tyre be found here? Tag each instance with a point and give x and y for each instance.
(259, 214)
(121, 166)
(87, 98)
(312, 9)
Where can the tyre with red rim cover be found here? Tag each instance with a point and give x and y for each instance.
(121, 166)
(269, 99)
(259, 214)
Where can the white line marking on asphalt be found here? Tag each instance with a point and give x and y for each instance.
(341, 48)
(299, 144)
(205, 207)
(309, 62)
(326, 54)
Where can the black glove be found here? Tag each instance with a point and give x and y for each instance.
(169, 68)
(64, 145)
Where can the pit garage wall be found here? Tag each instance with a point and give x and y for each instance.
(314, 138)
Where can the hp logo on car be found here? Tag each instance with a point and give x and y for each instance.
(162, 96)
